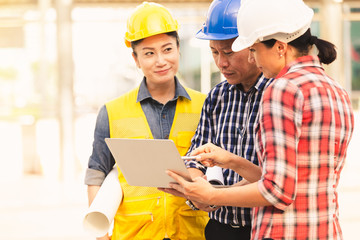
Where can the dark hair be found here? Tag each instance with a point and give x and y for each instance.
(327, 52)
(172, 34)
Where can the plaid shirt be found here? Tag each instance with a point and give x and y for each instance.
(227, 120)
(305, 126)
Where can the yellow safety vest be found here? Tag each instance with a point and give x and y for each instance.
(145, 212)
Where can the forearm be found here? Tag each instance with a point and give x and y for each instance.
(243, 182)
(212, 155)
(239, 196)
(245, 168)
(92, 191)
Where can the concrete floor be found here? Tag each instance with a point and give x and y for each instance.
(39, 208)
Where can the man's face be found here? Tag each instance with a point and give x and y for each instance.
(234, 65)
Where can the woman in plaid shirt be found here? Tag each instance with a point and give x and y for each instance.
(305, 126)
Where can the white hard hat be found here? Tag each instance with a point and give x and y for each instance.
(260, 20)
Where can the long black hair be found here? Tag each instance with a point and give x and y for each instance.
(327, 50)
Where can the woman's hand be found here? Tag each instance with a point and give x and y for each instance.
(201, 191)
(205, 207)
(212, 155)
(173, 192)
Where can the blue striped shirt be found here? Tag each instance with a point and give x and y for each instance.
(228, 120)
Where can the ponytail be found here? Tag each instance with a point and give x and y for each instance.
(327, 52)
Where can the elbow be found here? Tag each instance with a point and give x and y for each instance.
(280, 198)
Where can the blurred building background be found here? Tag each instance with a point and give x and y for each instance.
(61, 60)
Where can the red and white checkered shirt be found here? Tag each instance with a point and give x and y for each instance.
(305, 126)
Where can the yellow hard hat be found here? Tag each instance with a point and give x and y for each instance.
(149, 19)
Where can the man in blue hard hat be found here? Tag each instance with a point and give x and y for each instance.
(229, 115)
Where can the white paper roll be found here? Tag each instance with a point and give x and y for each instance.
(99, 216)
(214, 175)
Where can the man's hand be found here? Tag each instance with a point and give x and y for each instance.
(199, 190)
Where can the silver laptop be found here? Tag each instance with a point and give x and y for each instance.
(143, 162)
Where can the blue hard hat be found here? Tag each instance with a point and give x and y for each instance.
(220, 21)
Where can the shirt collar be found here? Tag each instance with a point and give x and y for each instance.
(300, 62)
(258, 86)
(145, 94)
(261, 82)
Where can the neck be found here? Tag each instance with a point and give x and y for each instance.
(247, 85)
(162, 92)
(290, 56)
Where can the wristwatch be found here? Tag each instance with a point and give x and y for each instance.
(191, 205)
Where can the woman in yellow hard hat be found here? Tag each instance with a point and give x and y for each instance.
(160, 108)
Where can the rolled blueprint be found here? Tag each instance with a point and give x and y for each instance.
(99, 216)
(214, 175)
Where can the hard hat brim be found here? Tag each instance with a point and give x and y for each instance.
(240, 44)
(214, 36)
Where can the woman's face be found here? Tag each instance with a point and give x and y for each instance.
(158, 58)
(269, 60)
